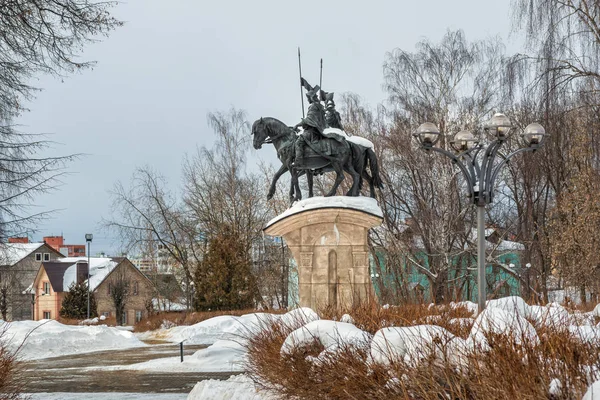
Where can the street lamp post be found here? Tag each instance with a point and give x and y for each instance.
(88, 239)
(480, 169)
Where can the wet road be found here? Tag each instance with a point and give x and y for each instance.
(73, 373)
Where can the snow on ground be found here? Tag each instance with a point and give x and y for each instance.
(359, 203)
(411, 343)
(105, 396)
(239, 387)
(227, 327)
(331, 334)
(593, 392)
(511, 304)
(206, 332)
(469, 305)
(503, 322)
(221, 356)
(226, 336)
(49, 338)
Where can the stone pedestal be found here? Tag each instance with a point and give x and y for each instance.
(328, 239)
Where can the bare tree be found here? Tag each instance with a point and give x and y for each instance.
(427, 219)
(119, 290)
(219, 192)
(565, 38)
(36, 38)
(147, 215)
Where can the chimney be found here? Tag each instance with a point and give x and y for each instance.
(18, 240)
(82, 271)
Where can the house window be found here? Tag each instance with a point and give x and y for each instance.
(135, 288)
(46, 256)
(38, 256)
(106, 314)
(47, 315)
(108, 290)
(138, 315)
(124, 318)
(46, 287)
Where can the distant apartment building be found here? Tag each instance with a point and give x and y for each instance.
(68, 250)
(157, 260)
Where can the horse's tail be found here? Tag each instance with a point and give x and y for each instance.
(372, 159)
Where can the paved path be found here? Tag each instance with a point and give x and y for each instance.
(69, 373)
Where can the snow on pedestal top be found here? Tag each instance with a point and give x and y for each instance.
(366, 204)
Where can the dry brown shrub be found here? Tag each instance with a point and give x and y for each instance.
(12, 382)
(511, 368)
(370, 316)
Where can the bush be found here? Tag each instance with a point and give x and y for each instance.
(74, 305)
(509, 367)
(11, 380)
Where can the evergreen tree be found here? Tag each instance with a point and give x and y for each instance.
(224, 279)
(74, 304)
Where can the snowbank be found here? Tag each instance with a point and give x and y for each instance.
(499, 321)
(552, 315)
(239, 387)
(586, 334)
(411, 343)
(48, 338)
(511, 304)
(593, 392)
(366, 204)
(331, 334)
(203, 333)
(226, 335)
(229, 327)
(473, 308)
(222, 356)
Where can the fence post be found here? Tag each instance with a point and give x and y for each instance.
(181, 350)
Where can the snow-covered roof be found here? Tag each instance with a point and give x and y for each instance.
(503, 245)
(360, 203)
(12, 253)
(100, 267)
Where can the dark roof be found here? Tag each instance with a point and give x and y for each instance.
(56, 272)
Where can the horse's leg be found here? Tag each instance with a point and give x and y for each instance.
(291, 194)
(295, 182)
(355, 180)
(273, 186)
(309, 178)
(371, 184)
(339, 178)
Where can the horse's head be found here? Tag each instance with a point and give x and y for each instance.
(259, 132)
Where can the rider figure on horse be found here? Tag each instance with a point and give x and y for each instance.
(332, 116)
(313, 125)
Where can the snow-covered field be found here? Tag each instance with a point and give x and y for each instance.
(238, 387)
(226, 336)
(49, 338)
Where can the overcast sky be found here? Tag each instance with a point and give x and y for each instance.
(156, 78)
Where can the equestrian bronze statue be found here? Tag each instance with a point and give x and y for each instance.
(315, 150)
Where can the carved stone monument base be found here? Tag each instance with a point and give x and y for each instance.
(328, 239)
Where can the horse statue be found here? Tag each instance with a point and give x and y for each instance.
(345, 156)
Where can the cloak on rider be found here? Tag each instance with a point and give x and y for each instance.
(317, 119)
